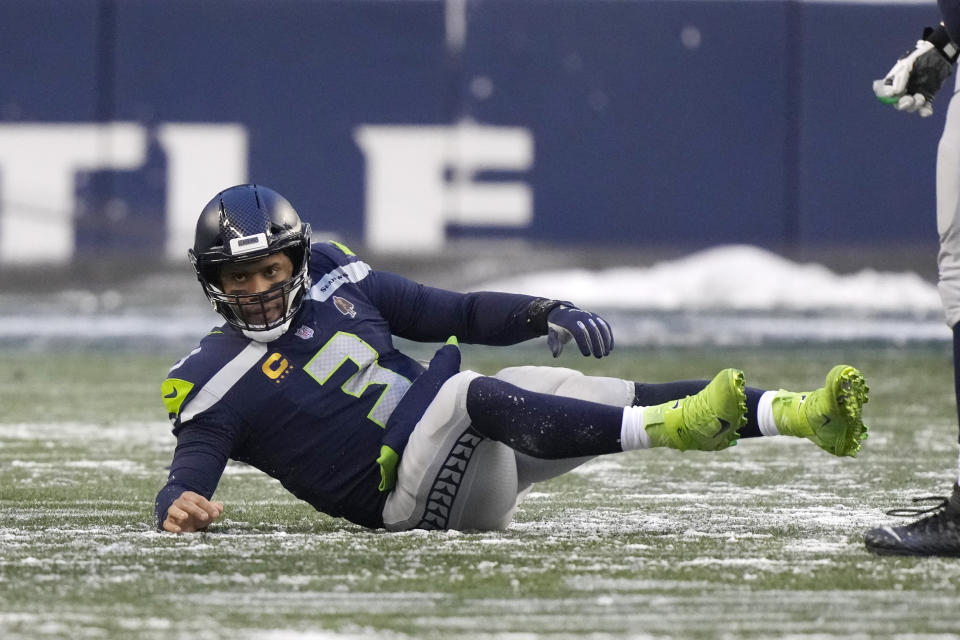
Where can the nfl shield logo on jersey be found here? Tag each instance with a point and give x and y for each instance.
(345, 306)
(304, 332)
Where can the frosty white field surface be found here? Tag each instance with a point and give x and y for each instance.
(761, 540)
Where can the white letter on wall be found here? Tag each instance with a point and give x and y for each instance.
(404, 187)
(202, 160)
(408, 199)
(38, 165)
(475, 149)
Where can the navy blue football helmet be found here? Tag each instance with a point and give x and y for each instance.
(245, 223)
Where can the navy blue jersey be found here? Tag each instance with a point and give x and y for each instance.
(309, 408)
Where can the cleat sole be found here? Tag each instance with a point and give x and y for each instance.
(735, 410)
(851, 391)
(740, 388)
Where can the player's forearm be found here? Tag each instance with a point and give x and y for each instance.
(197, 465)
(504, 318)
(195, 469)
(427, 314)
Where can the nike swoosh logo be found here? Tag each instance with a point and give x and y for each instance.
(893, 533)
(724, 425)
(172, 394)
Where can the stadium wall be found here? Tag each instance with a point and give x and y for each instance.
(400, 125)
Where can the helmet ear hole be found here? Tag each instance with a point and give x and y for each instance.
(211, 273)
(296, 255)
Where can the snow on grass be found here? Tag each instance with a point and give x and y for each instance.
(762, 540)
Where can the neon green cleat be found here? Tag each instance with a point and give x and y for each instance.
(707, 421)
(831, 417)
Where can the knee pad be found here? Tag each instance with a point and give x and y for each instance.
(536, 378)
(612, 391)
(571, 383)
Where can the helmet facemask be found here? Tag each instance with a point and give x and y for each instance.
(257, 313)
(262, 316)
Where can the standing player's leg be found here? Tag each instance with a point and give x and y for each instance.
(939, 533)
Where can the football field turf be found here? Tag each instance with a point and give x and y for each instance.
(762, 540)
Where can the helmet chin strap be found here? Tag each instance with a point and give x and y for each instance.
(267, 335)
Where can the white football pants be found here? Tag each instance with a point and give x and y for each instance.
(451, 477)
(948, 215)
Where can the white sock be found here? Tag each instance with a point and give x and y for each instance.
(632, 434)
(768, 426)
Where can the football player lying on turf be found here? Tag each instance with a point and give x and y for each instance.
(303, 382)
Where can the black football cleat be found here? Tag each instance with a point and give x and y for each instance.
(937, 534)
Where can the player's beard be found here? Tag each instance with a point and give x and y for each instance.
(261, 310)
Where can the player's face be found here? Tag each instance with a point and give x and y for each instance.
(255, 277)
